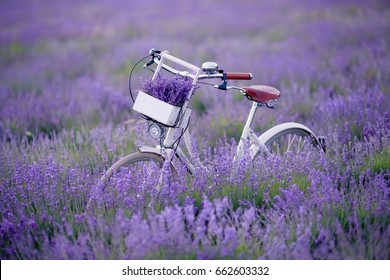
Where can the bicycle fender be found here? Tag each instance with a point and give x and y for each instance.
(273, 130)
(148, 149)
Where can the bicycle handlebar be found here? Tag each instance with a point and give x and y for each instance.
(258, 93)
(238, 76)
(220, 74)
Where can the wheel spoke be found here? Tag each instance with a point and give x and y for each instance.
(289, 141)
(300, 144)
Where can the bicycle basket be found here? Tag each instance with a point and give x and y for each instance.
(155, 100)
(161, 111)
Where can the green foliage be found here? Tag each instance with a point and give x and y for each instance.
(380, 162)
(11, 52)
(198, 105)
(225, 127)
(237, 194)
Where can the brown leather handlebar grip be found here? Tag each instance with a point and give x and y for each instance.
(238, 76)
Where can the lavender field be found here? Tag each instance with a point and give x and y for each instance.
(65, 117)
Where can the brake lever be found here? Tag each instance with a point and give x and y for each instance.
(222, 86)
(154, 54)
(149, 63)
(153, 51)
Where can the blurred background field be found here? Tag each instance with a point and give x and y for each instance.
(65, 116)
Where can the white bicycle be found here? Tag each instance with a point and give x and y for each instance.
(166, 122)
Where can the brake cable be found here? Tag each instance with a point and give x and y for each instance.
(131, 73)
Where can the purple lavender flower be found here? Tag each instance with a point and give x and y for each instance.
(64, 119)
(173, 90)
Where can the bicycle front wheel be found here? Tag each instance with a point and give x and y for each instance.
(289, 138)
(132, 180)
(133, 164)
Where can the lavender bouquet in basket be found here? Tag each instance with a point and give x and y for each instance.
(170, 89)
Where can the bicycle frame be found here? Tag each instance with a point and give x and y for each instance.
(247, 135)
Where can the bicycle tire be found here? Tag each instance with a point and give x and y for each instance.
(289, 138)
(130, 159)
(133, 167)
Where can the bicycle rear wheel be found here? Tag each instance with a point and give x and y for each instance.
(290, 141)
(290, 138)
